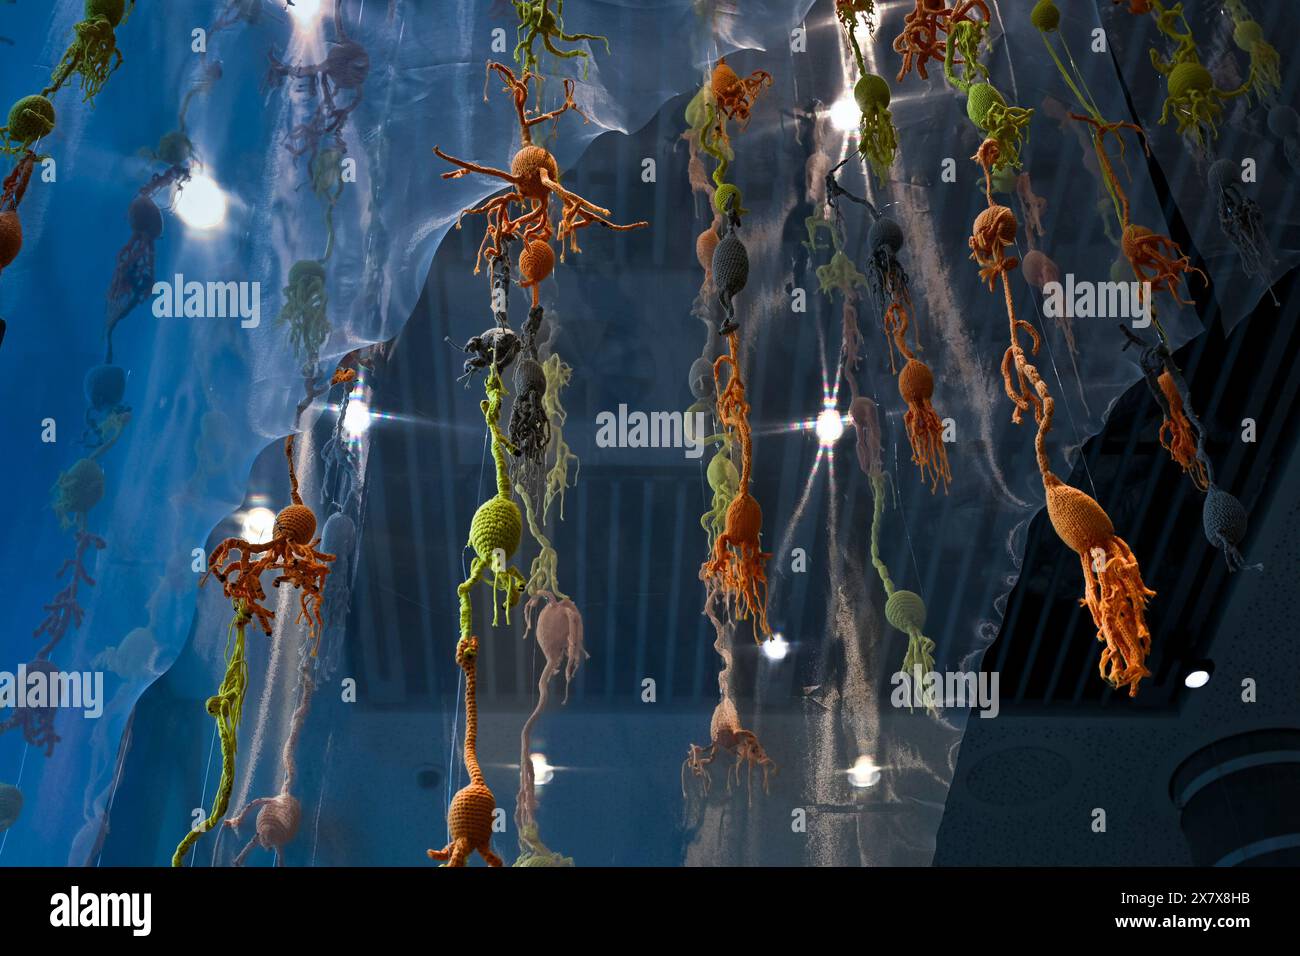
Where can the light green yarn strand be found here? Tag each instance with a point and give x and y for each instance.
(227, 707)
(543, 572)
(877, 509)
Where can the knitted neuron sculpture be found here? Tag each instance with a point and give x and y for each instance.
(1241, 220)
(1192, 100)
(877, 137)
(726, 733)
(985, 105)
(1113, 590)
(1265, 78)
(533, 179)
(889, 286)
(538, 21)
(292, 554)
(469, 818)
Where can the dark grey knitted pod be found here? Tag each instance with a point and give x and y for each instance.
(730, 265)
(530, 377)
(1222, 174)
(1283, 121)
(1225, 522)
(885, 232)
(702, 379)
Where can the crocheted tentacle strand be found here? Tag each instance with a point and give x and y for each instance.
(226, 708)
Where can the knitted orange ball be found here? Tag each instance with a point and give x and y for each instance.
(1078, 519)
(725, 80)
(536, 261)
(278, 821)
(1131, 241)
(996, 223)
(470, 815)
(297, 523)
(744, 518)
(11, 237)
(916, 382)
(705, 245)
(527, 168)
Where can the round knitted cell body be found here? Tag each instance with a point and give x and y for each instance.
(725, 81)
(82, 486)
(982, 98)
(885, 232)
(726, 199)
(1045, 16)
(871, 93)
(339, 536)
(145, 217)
(701, 379)
(278, 821)
(1131, 241)
(1039, 268)
(1222, 174)
(110, 10)
(915, 382)
(722, 473)
(863, 412)
(706, 243)
(536, 261)
(175, 148)
(469, 817)
(906, 611)
(1189, 77)
(297, 523)
(530, 376)
(31, 118)
(1246, 34)
(11, 805)
(104, 386)
(11, 237)
(730, 264)
(497, 525)
(304, 270)
(1079, 521)
(996, 225)
(744, 518)
(1223, 517)
(527, 168)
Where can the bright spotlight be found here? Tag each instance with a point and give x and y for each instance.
(356, 420)
(845, 114)
(258, 525)
(304, 12)
(200, 203)
(543, 772)
(829, 427)
(776, 648)
(864, 773)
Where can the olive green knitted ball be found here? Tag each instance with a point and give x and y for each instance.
(496, 524)
(110, 10)
(82, 486)
(722, 473)
(1247, 34)
(1187, 77)
(175, 148)
(906, 611)
(305, 269)
(871, 93)
(1046, 16)
(982, 98)
(31, 118)
(727, 195)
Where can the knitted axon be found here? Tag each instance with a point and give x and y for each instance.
(30, 120)
(93, 54)
(866, 423)
(303, 311)
(925, 30)
(1113, 590)
(558, 375)
(469, 818)
(226, 708)
(533, 179)
(1240, 219)
(497, 526)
